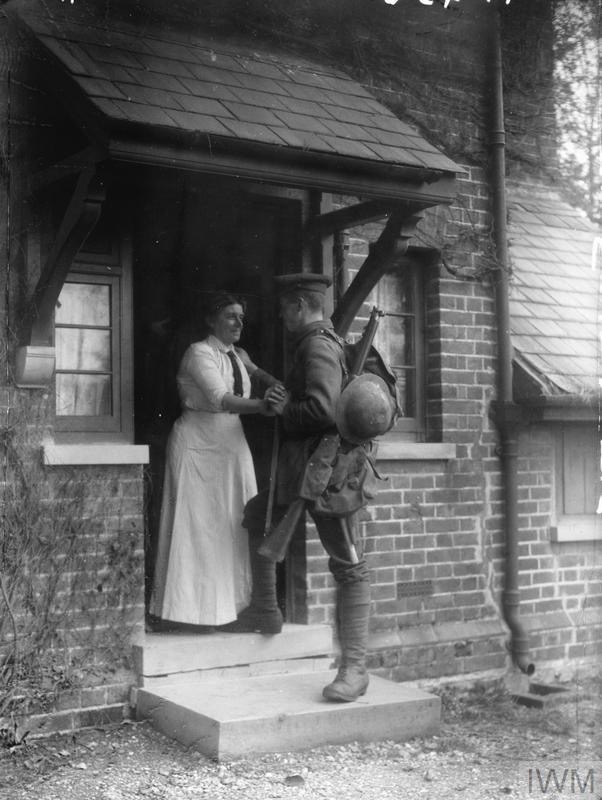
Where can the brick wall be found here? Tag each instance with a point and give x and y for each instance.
(72, 570)
(434, 537)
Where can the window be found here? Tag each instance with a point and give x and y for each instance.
(577, 482)
(93, 352)
(399, 339)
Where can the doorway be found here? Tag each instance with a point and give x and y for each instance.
(192, 238)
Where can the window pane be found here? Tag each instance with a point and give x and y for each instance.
(83, 349)
(394, 340)
(406, 379)
(83, 395)
(84, 304)
(393, 295)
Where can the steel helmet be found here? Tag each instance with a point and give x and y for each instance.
(365, 409)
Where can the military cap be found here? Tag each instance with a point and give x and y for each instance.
(307, 281)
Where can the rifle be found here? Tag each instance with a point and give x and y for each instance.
(319, 467)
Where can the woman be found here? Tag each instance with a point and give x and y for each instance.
(202, 574)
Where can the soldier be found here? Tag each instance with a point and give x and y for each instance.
(307, 412)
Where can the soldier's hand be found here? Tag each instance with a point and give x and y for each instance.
(266, 409)
(277, 397)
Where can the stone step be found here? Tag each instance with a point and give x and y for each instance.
(161, 655)
(280, 667)
(227, 719)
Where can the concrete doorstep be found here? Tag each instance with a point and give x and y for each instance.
(278, 713)
(230, 695)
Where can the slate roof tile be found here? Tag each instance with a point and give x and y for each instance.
(308, 107)
(115, 55)
(110, 108)
(554, 326)
(248, 113)
(357, 103)
(166, 65)
(260, 68)
(259, 84)
(237, 90)
(307, 78)
(211, 74)
(154, 80)
(142, 113)
(304, 139)
(203, 105)
(99, 87)
(214, 57)
(188, 121)
(348, 147)
(289, 89)
(116, 72)
(345, 114)
(398, 155)
(252, 131)
(300, 122)
(149, 96)
(347, 131)
(216, 91)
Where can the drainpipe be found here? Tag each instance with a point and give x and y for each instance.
(507, 413)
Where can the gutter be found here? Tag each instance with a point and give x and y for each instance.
(507, 413)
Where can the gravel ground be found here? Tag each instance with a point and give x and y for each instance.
(483, 751)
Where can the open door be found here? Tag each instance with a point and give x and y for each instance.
(191, 240)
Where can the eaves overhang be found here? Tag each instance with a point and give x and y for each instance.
(186, 102)
(281, 165)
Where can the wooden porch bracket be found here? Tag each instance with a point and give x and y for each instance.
(72, 165)
(384, 255)
(35, 357)
(348, 217)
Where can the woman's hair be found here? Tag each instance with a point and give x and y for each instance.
(215, 301)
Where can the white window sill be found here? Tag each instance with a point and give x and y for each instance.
(415, 451)
(106, 453)
(580, 528)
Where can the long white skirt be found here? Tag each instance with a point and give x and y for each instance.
(202, 572)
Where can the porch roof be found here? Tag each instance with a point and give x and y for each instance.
(555, 292)
(179, 99)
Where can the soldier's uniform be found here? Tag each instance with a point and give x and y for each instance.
(314, 384)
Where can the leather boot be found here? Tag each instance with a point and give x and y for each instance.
(352, 678)
(263, 614)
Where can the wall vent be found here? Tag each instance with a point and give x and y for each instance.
(414, 589)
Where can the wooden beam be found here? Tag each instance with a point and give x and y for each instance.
(72, 165)
(287, 166)
(348, 217)
(385, 254)
(80, 218)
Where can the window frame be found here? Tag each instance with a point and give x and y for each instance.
(110, 265)
(567, 527)
(411, 429)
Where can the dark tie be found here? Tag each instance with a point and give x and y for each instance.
(236, 372)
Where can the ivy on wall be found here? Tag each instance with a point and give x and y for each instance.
(67, 582)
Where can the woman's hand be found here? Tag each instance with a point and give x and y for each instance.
(277, 398)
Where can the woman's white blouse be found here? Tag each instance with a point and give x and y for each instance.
(205, 376)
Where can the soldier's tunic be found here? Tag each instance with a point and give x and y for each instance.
(314, 383)
(202, 574)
